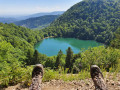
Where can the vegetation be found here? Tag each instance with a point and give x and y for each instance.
(59, 60)
(116, 41)
(16, 47)
(37, 22)
(69, 58)
(101, 56)
(88, 20)
(52, 74)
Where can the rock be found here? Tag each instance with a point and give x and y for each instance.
(112, 83)
(107, 80)
(87, 84)
(118, 83)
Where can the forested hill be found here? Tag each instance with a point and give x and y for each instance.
(16, 51)
(19, 37)
(37, 22)
(89, 20)
(7, 20)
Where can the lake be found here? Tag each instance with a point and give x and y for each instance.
(51, 46)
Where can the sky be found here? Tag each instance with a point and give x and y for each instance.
(25, 7)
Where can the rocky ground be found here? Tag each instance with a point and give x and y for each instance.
(113, 83)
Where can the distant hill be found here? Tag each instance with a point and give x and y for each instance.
(37, 22)
(40, 14)
(7, 20)
(88, 20)
(11, 19)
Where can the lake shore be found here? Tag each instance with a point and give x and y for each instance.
(49, 37)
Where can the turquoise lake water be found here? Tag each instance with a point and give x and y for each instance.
(51, 46)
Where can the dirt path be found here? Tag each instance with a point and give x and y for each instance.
(87, 84)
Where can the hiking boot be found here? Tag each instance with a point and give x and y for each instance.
(37, 75)
(97, 78)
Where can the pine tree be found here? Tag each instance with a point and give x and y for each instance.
(29, 57)
(69, 59)
(58, 59)
(36, 57)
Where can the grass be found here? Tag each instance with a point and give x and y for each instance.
(51, 74)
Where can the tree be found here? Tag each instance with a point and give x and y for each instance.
(58, 59)
(116, 41)
(36, 58)
(29, 57)
(69, 59)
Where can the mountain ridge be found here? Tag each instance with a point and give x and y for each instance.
(7, 20)
(40, 14)
(11, 19)
(37, 22)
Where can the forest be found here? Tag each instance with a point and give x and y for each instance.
(89, 19)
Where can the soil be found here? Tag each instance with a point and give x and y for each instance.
(113, 83)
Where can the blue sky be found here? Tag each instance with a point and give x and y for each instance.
(24, 7)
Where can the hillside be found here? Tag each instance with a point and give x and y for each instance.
(16, 51)
(46, 13)
(40, 14)
(37, 22)
(7, 20)
(88, 20)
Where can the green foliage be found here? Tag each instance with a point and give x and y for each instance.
(88, 20)
(59, 59)
(116, 41)
(69, 58)
(41, 26)
(11, 61)
(50, 62)
(19, 36)
(29, 56)
(16, 50)
(51, 74)
(36, 59)
(101, 56)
